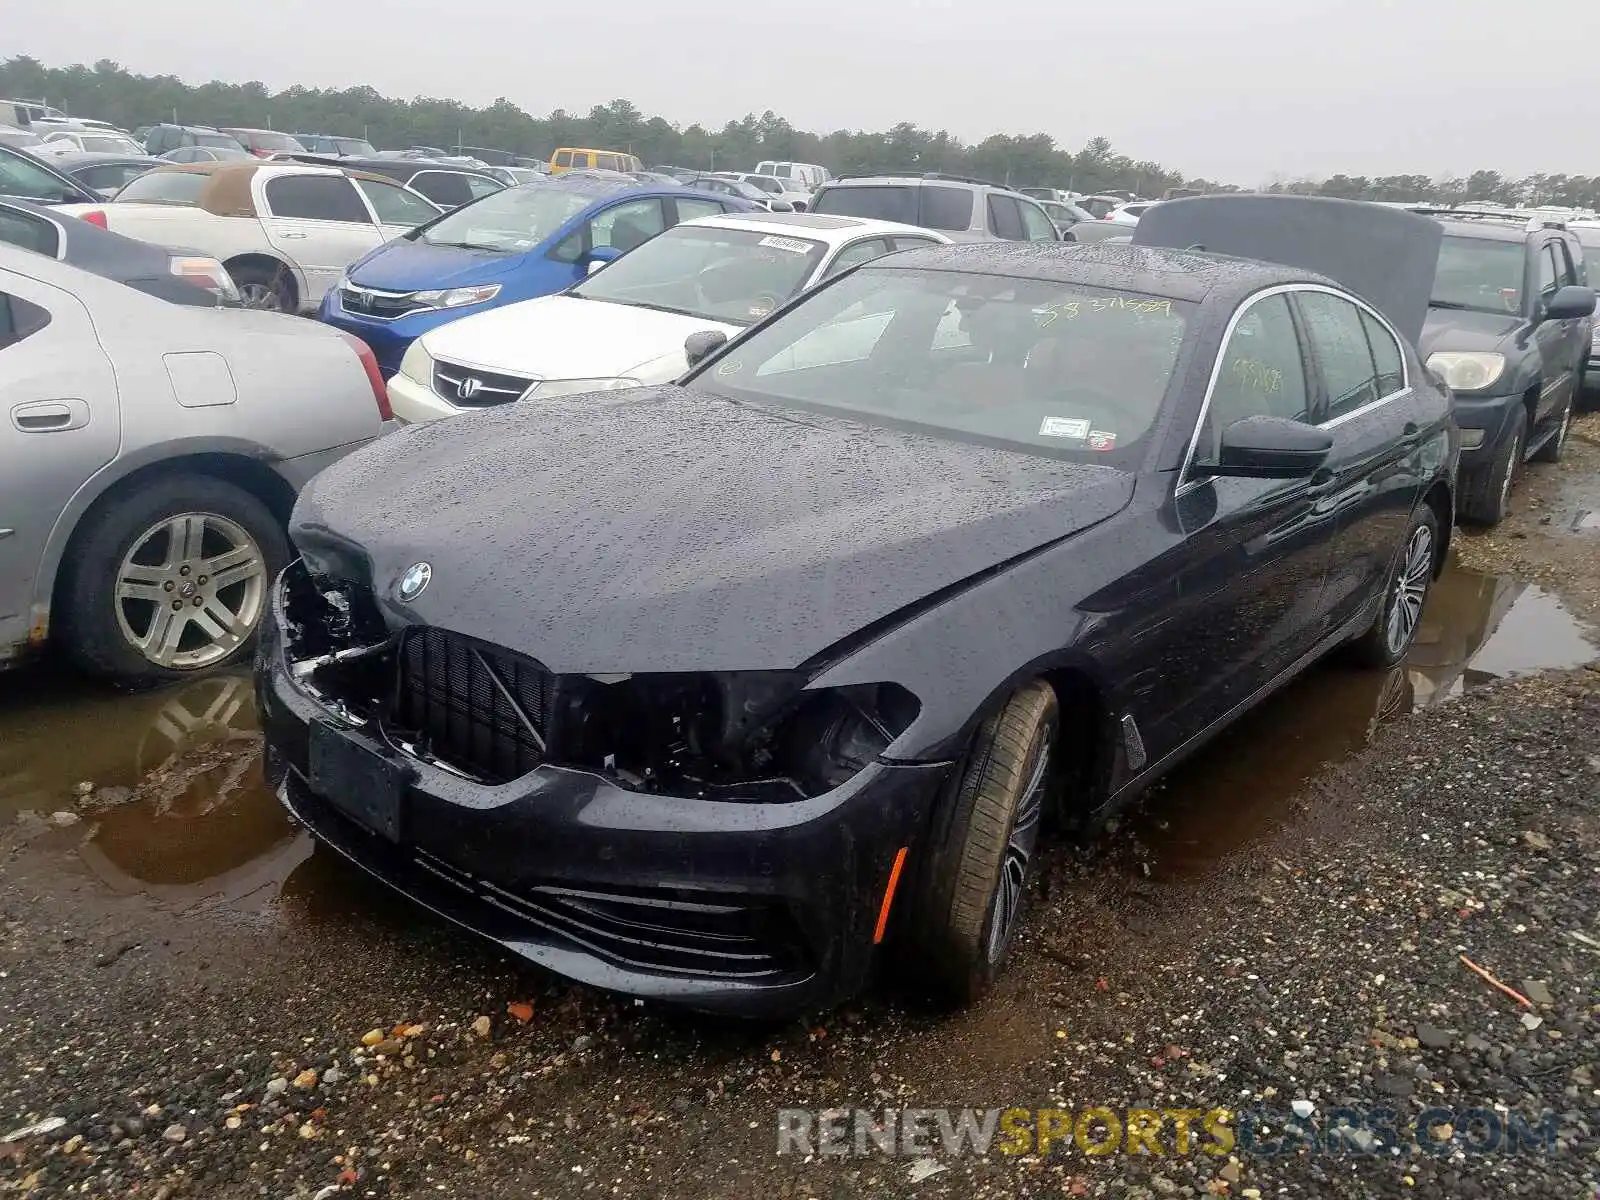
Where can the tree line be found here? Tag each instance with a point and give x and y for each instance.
(108, 92)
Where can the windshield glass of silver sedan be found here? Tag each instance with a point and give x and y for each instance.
(1477, 273)
(732, 275)
(1047, 367)
(509, 221)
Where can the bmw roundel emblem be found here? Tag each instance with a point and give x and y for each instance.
(414, 580)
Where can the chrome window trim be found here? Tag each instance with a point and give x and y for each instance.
(61, 231)
(1185, 484)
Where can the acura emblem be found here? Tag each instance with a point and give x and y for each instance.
(468, 387)
(414, 580)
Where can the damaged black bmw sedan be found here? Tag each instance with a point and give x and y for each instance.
(715, 692)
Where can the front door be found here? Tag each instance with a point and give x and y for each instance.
(59, 424)
(1254, 553)
(1558, 352)
(318, 222)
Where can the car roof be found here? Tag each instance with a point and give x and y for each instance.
(1588, 234)
(832, 230)
(1491, 229)
(384, 166)
(83, 158)
(228, 194)
(1157, 271)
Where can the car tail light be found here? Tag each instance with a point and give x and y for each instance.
(369, 362)
(95, 217)
(208, 273)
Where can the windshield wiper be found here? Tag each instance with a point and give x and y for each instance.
(677, 312)
(468, 246)
(1448, 304)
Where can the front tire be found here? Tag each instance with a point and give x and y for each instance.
(977, 871)
(263, 289)
(1404, 594)
(1486, 497)
(169, 580)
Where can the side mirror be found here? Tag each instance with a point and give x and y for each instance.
(599, 257)
(698, 347)
(1570, 303)
(779, 206)
(1271, 448)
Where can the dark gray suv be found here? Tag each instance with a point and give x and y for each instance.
(966, 210)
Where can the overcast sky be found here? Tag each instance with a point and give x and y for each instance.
(1239, 90)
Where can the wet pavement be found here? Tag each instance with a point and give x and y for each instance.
(173, 805)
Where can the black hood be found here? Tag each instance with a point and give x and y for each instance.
(664, 529)
(1465, 329)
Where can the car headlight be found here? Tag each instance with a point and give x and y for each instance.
(457, 297)
(549, 388)
(417, 365)
(1464, 372)
(755, 736)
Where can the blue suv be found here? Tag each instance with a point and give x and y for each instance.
(512, 245)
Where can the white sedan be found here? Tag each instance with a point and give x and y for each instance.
(625, 326)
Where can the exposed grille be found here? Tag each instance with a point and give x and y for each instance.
(381, 306)
(472, 705)
(472, 387)
(664, 931)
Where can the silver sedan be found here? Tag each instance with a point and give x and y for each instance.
(150, 453)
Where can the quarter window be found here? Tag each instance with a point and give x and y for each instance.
(1386, 355)
(854, 255)
(29, 232)
(396, 206)
(1036, 224)
(625, 226)
(316, 198)
(19, 319)
(1261, 375)
(482, 185)
(448, 189)
(689, 209)
(1339, 340)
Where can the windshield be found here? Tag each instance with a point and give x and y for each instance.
(732, 275)
(274, 143)
(111, 144)
(165, 187)
(355, 147)
(509, 221)
(1044, 367)
(1479, 274)
(220, 140)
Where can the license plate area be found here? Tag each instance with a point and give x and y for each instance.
(365, 785)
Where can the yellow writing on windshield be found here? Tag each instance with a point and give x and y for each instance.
(1072, 309)
(1255, 374)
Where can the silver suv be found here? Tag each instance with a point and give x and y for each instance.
(966, 210)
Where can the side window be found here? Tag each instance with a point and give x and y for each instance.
(19, 319)
(907, 243)
(689, 209)
(29, 232)
(481, 186)
(1339, 341)
(607, 162)
(1005, 219)
(625, 226)
(1547, 272)
(316, 198)
(1386, 355)
(563, 158)
(394, 205)
(856, 253)
(1261, 375)
(944, 207)
(26, 180)
(1038, 226)
(447, 189)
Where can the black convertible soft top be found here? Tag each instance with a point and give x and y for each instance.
(1386, 255)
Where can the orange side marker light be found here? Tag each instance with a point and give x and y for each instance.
(888, 895)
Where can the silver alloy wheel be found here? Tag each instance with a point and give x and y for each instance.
(1020, 845)
(260, 296)
(190, 590)
(1410, 590)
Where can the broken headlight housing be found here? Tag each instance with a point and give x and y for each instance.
(727, 735)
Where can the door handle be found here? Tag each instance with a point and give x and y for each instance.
(288, 235)
(50, 416)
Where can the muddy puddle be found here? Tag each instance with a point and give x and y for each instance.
(167, 790)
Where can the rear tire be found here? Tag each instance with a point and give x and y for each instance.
(977, 871)
(115, 590)
(263, 288)
(1405, 592)
(1486, 495)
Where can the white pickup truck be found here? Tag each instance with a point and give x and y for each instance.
(286, 231)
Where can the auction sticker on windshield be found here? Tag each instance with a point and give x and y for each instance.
(1064, 427)
(792, 245)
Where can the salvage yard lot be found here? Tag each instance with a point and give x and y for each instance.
(1288, 932)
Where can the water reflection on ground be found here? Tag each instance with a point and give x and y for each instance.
(168, 788)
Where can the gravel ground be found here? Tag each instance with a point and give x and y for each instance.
(338, 1043)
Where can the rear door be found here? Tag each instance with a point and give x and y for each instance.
(319, 222)
(1375, 471)
(58, 426)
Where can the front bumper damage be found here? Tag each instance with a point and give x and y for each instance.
(754, 909)
(1483, 421)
